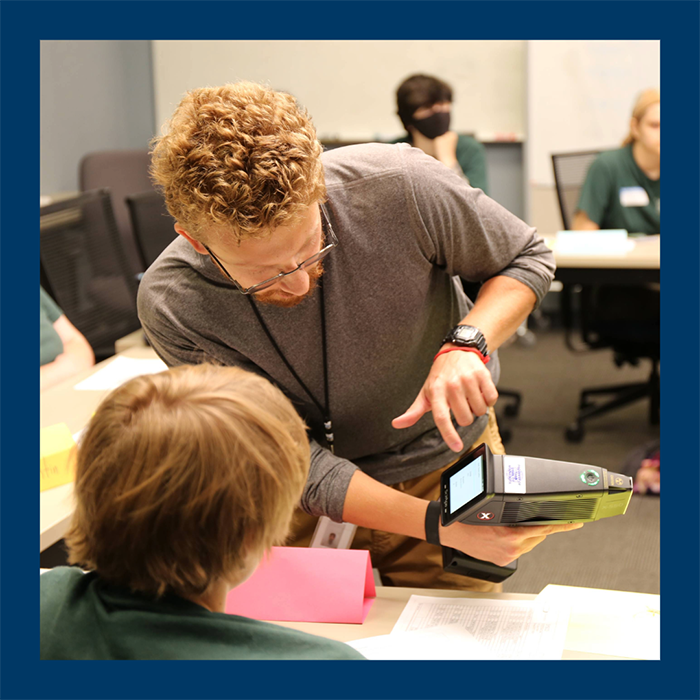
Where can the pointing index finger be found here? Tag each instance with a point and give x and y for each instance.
(443, 422)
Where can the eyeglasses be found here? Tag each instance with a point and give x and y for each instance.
(328, 235)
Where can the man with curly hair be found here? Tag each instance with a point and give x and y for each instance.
(335, 275)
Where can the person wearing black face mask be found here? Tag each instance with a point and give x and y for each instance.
(435, 124)
(424, 104)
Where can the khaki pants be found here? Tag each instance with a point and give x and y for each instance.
(401, 560)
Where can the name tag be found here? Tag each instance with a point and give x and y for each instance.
(633, 197)
(329, 534)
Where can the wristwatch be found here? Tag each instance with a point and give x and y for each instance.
(467, 337)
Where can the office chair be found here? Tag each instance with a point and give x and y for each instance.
(122, 172)
(151, 223)
(83, 267)
(570, 171)
(606, 318)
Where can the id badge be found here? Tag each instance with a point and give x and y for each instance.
(633, 197)
(332, 535)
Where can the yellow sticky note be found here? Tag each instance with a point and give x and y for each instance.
(57, 465)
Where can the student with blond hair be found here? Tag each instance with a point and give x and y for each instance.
(622, 189)
(184, 480)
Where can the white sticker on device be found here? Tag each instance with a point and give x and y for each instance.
(514, 474)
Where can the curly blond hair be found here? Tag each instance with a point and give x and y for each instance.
(186, 477)
(238, 160)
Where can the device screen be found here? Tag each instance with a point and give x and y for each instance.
(467, 484)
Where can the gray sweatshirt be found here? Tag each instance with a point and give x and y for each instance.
(407, 225)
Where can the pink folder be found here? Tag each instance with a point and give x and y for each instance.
(307, 584)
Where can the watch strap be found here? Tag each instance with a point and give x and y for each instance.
(432, 522)
(484, 358)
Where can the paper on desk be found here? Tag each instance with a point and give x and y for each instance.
(503, 629)
(601, 242)
(615, 623)
(120, 370)
(443, 643)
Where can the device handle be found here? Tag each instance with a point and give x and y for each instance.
(456, 562)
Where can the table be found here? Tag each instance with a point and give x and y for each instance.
(638, 266)
(63, 404)
(391, 601)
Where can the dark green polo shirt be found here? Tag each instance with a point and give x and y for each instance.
(471, 156)
(50, 345)
(617, 194)
(83, 617)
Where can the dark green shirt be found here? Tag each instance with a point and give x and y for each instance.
(50, 345)
(82, 617)
(617, 194)
(471, 156)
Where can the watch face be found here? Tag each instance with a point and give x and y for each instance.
(466, 333)
(469, 337)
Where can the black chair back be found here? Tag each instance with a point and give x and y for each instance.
(84, 269)
(121, 172)
(570, 171)
(151, 223)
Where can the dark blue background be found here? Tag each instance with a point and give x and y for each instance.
(24, 24)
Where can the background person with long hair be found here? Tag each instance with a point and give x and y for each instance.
(623, 186)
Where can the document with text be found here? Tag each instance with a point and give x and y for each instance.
(492, 629)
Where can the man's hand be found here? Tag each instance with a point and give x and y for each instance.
(458, 382)
(498, 544)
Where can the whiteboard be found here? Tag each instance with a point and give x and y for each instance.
(580, 96)
(349, 87)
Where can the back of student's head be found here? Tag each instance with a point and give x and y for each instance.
(420, 91)
(185, 477)
(644, 100)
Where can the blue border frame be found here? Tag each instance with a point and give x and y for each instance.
(366, 21)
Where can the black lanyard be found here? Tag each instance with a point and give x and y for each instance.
(325, 411)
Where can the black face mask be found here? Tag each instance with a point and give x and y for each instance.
(433, 126)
